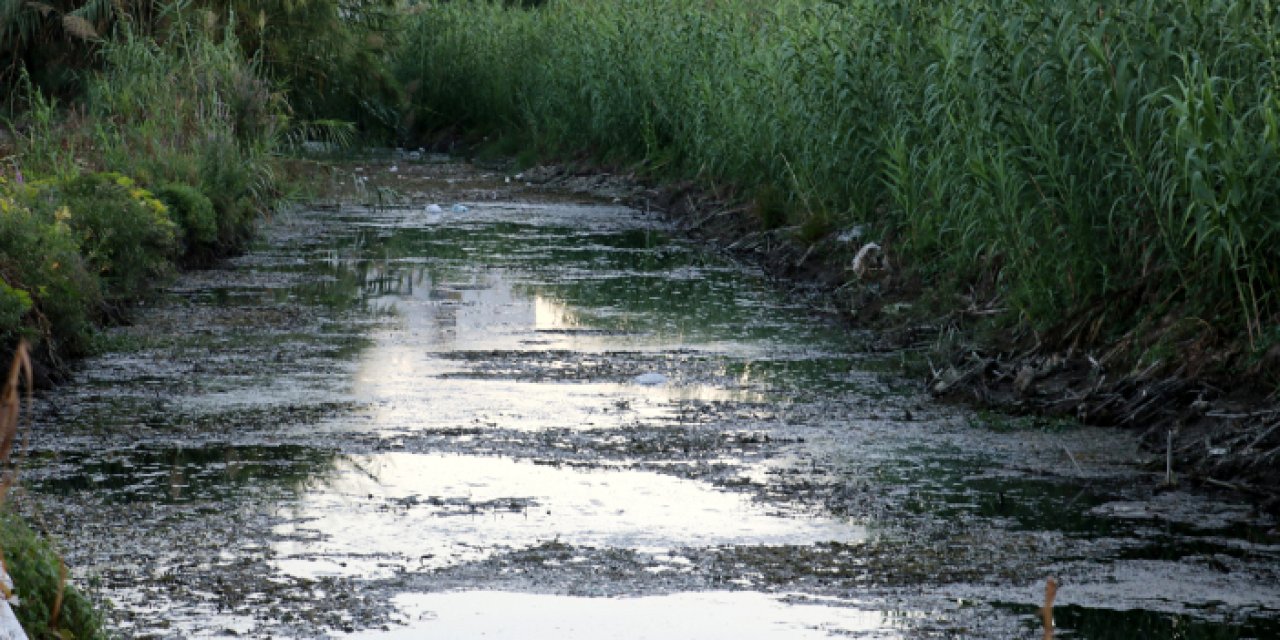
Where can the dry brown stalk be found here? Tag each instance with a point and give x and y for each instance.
(1046, 612)
(57, 601)
(10, 409)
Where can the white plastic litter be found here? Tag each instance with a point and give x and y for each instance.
(852, 234)
(650, 379)
(869, 257)
(459, 208)
(393, 169)
(10, 629)
(434, 208)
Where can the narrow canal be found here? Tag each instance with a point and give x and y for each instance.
(525, 415)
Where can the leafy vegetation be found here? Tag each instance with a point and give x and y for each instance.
(1102, 173)
(161, 146)
(167, 156)
(45, 605)
(48, 288)
(327, 56)
(40, 585)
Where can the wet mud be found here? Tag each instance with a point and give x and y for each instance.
(531, 415)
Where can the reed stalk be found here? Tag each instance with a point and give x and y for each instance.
(1117, 161)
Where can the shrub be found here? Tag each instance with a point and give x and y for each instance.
(123, 230)
(189, 110)
(14, 306)
(47, 290)
(193, 213)
(184, 109)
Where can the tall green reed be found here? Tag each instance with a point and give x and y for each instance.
(1079, 159)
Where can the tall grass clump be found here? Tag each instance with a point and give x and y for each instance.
(167, 158)
(192, 110)
(327, 56)
(51, 41)
(188, 109)
(1104, 172)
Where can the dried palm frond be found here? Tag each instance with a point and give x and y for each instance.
(20, 373)
(79, 27)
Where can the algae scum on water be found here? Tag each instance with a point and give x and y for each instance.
(533, 416)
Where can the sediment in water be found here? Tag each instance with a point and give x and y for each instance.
(1218, 430)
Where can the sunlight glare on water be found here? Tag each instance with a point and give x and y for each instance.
(686, 616)
(423, 511)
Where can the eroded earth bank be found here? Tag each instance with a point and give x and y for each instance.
(529, 415)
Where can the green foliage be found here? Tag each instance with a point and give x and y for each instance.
(44, 276)
(193, 213)
(188, 112)
(158, 99)
(1056, 157)
(160, 112)
(50, 40)
(14, 306)
(328, 55)
(37, 573)
(122, 229)
(233, 188)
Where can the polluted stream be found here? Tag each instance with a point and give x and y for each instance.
(521, 414)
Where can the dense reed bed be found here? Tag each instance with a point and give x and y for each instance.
(1105, 173)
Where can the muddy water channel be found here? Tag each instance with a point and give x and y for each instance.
(538, 416)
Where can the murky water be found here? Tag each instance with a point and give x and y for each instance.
(546, 418)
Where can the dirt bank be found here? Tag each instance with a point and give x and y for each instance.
(1219, 431)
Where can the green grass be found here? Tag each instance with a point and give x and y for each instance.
(40, 584)
(1065, 160)
(167, 158)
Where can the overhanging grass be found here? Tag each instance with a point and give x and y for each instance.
(1093, 168)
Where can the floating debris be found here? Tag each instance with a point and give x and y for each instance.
(650, 379)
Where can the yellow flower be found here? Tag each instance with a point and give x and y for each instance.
(63, 214)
